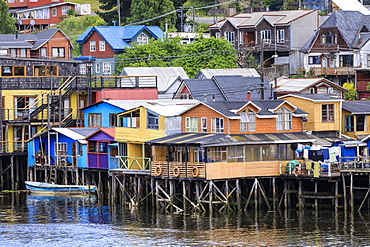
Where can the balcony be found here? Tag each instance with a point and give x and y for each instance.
(322, 71)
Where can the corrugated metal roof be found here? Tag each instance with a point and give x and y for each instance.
(209, 73)
(224, 139)
(73, 134)
(357, 107)
(351, 5)
(298, 84)
(166, 76)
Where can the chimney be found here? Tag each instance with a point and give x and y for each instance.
(205, 97)
(213, 97)
(248, 95)
(16, 34)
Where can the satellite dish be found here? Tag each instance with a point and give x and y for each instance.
(32, 22)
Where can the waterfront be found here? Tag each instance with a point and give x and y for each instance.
(30, 220)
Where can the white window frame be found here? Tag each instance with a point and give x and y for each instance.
(60, 148)
(241, 37)
(23, 52)
(65, 9)
(54, 12)
(107, 68)
(266, 36)
(230, 37)
(217, 125)
(191, 124)
(142, 39)
(217, 35)
(280, 34)
(58, 52)
(101, 45)
(204, 124)
(92, 45)
(97, 68)
(83, 69)
(284, 119)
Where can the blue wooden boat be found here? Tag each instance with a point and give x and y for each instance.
(59, 188)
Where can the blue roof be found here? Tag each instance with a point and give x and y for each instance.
(119, 37)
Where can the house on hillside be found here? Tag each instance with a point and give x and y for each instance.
(168, 78)
(224, 88)
(39, 14)
(98, 144)
(356, 118)
(339, 47)
(307, 85)
(278, 35)
(104, 42)
(48, 44)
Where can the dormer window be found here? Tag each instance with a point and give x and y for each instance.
(284, 119)
(142, 39)
(329, 38)
(323, 39)
(247, 121)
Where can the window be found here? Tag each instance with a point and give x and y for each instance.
(346, 61)
(266, 36)
(43, 52)
(13, 71)
(348, 123)
(83, 69)
(54, 12)
(247, 121)
(22, 104)
(191, 124)
(101, 45)
(23, 52)
(217, 125)
(13, 52)
(323, 39)
(106, 68)
(327, 112)
(45, 70)
(216, 154)
(65, 10)
(204, 125)
(335, 39)
(230, 37)
(360, 122)
(97, 68)
(142, 39)
(284, 119)
(322, 90)
(93, 45)
(98, 147)
(218, 35)
(152, 120)
(280, 36)
(57, 51)
(329, 38)
(313, 60)
(368, 60)
(60, 148)
(94, 120)
(113, 120)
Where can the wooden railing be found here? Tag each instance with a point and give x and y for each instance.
(13, 146)
(333, 71)
(126, 162)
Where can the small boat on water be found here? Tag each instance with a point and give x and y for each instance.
(39, 187)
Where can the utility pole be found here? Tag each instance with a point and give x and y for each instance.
(182, 21)
(119, 12)
(193, 19)
(262, 89)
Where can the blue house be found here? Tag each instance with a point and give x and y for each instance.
(104, 42)
(60, 147)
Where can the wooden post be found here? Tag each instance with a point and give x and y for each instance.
(255, 194)
(210, 196)
(285, 194)
(12, 172)
(316, 200)
(300, 199)
(238, 195)
(184, 195)
(274, 194)
(157, 194)
(152, 189)
(352, 194)
(227, 193)
(336, 195)
(344, 193)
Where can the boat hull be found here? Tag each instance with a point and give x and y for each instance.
(38, 187)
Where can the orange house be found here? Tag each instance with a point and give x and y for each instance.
(257, 116)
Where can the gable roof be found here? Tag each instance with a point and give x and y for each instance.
(285, 84)
(209, 73)
(276, 18)
(229, 88)
(26, 40)
(166, 76)
(119, 37)
(265, 108)
(357, 106)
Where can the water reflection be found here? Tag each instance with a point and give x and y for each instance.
(30, 220)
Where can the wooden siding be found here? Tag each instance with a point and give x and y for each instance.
(133, 135)
(223, 170)
(128, 94)
(85, 50)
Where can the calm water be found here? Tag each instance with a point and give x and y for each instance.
(29, 220)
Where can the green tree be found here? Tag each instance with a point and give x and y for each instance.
(7, 23)
(274, 5)
(291, 4)
(145, 9)
(109, 11)
(208, 53)
(74, 26)
(352, 91)
(158, 53)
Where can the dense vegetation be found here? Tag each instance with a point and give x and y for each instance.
(7, 23)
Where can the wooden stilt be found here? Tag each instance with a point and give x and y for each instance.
(352, 194)
(12, 172)
(238, 195)
(300, 199)
(336, 195)
(316, 200)
(274, 194)
(344, 193)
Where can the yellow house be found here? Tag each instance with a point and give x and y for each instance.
(324, 111)
(151, 120)
(355, 118)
